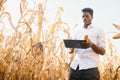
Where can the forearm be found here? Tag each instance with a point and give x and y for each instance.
(98, 49)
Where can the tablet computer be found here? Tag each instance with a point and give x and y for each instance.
(73, 43)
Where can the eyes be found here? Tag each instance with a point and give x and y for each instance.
(85, 16)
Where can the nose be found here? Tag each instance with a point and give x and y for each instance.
(84, 19)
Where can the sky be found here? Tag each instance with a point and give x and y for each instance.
(106, 12)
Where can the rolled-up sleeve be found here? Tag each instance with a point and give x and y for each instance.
(101, 39)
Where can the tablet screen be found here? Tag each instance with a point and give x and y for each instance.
(73, 43)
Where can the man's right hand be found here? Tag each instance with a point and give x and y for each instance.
(71, 50)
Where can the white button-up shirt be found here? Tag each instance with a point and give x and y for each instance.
(87, 58)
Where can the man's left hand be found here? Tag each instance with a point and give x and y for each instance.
(86, 44)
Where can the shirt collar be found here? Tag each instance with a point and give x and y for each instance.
(90, 26)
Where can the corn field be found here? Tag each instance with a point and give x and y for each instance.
(41, 55)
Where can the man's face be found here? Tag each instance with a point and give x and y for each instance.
(87, 18)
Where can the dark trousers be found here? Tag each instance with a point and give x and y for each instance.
(88, 74)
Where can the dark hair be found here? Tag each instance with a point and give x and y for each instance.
(88, 10)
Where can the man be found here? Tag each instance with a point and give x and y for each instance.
(85, 63)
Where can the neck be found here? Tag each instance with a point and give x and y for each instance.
(86, 25)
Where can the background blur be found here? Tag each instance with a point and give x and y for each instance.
(105, 13)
